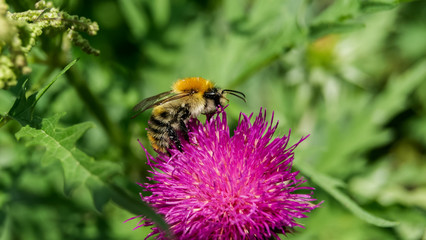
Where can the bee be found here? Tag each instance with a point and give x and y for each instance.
(188, 98)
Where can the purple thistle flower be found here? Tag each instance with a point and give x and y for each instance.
(223, 187)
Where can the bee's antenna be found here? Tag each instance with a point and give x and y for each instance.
(237, 94)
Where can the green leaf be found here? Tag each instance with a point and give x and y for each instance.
(41, 93)
(322, 29)
(376, 6)
(338, 11)
(6, 101)
(396, 94)
(331, 185)
(59, 144)
(81, 170)
(340, 17)
(23, 107)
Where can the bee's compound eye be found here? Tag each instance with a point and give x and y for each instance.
(211, 94)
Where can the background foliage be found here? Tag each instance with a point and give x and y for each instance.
(349, 72)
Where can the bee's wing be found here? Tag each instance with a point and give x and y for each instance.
(156, 100)
(147, 102)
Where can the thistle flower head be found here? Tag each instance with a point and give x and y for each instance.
(228, 187)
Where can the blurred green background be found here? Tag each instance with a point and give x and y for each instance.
(350, 73)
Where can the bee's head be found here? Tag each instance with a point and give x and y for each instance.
(216, 97)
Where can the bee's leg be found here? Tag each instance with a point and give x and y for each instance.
(209, 116)
(174, 137)
(184, 130)
(182, 125)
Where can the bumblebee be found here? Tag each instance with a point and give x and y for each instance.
(188, 98)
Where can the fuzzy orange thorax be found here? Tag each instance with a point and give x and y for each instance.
(195, 84)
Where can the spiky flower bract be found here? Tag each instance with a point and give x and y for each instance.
(228, 187)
